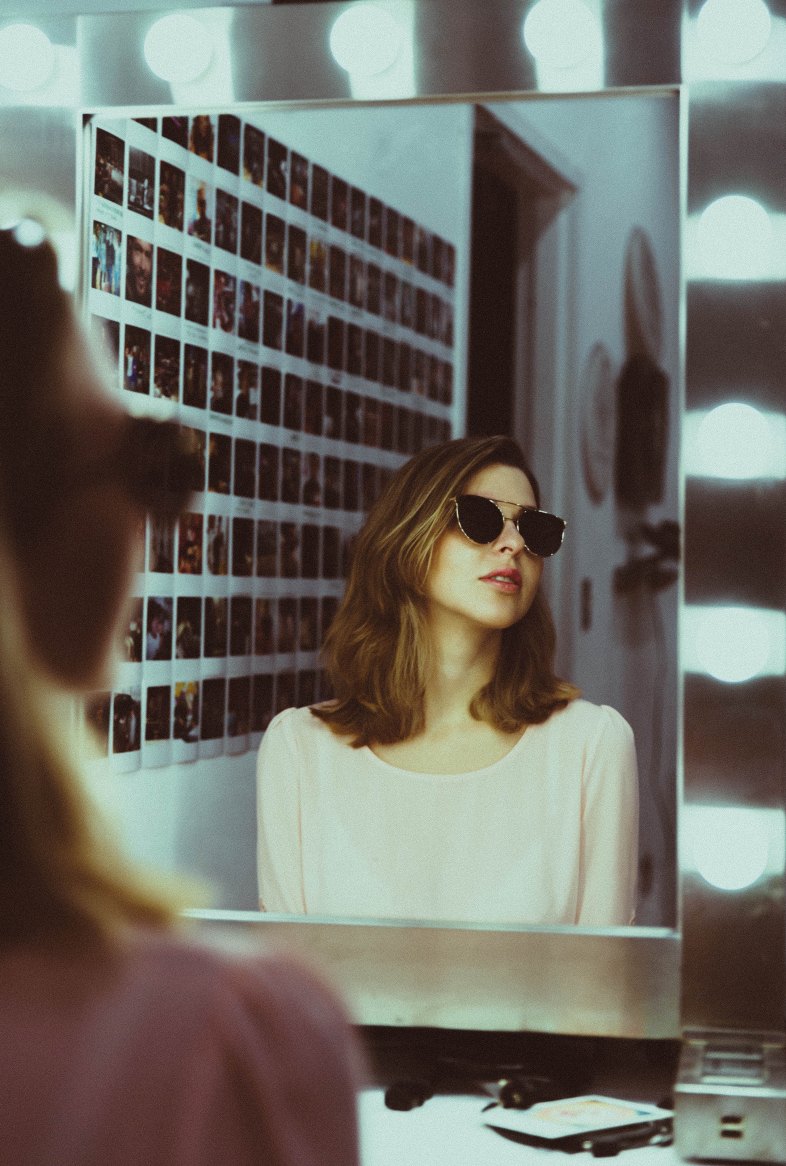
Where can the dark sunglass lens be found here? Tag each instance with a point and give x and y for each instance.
(479, 519)
(541, 532)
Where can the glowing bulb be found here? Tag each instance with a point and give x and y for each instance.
(561, 33)
(733, 31)
(178, 48)
(736, 441)
(730, 845)
(735, 238)
(735, 644)
(27, 57)
(365, 40)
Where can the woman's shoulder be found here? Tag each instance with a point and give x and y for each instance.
(588, 720)
(299, 725)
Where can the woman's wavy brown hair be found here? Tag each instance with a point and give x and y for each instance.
(60, 875)
(377, 651)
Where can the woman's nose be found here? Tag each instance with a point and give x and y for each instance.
(510, 538)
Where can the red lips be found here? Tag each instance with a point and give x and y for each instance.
(507, 574)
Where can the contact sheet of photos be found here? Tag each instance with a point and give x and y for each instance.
(304, 330)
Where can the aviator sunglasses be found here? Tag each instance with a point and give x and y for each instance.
(482, 521)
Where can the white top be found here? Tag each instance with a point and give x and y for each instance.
(546, 835)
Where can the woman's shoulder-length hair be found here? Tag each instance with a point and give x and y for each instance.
(376, 652)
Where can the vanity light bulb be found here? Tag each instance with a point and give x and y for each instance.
(734, 644)
(365, 40)
(737, 441)
(178, 48)
(730, 845)
(733, 31)
(27, 57)
(735, 238)
(561, 33)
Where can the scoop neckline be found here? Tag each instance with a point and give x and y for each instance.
(465, 773)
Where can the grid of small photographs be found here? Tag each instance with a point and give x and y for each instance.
(304, 330)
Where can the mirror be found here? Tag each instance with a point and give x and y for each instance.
(321, 292)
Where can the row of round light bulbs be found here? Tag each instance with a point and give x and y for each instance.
(366, 38)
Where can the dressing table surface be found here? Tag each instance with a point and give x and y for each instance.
(449, 1130)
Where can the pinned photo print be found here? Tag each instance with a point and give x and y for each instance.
(216, 626)
(226, 221)
(317, 263)
(262, 690)
(197, 292)
(332, 493)
(126, 721)
(310, 556)
(357, 213)
(110, 167)
(270, 403)
(171, 195)
(139, 271)
(312, 480)
(136, 359)
(272, 319)
(198, 445)
(247, 390)
(213, 698)
(219, 463)
(275, 235)
(186, 711)
(158, 628)
(267, 549)
(202, 137)
(290, 475)
(240, 625)
(188, 627)
(166, 369)
(289, 551)
(337, 279)
(217, 550)
(314, 401)
(189, 554)
(298, 180)
(141, 181)
(253, 154)
(248, 312)
(296, 331)
(199, 209)
(277, 166)
(224, 288)
(158, 713)
(131, 638)
(251, 233)
(320, 192)
(162, 546)
(242, 547)
(175, 129)
(105, 258)
(239, 706)
(169, 281)
(268, 459)
(296, 254)
(194, 374)
(244, 484)
(221, 382)
(338, 203)
(228, 156)
(263, 626)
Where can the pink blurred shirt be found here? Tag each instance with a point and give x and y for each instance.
(171, 1053)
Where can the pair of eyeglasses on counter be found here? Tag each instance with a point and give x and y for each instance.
(482, 521)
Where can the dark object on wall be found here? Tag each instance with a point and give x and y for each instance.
(642, 432)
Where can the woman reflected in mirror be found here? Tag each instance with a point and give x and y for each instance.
(453, 776)
(124, 1040)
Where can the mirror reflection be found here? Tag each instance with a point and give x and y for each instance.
(327, 294)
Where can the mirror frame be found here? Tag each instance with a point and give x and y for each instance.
(621, 982)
